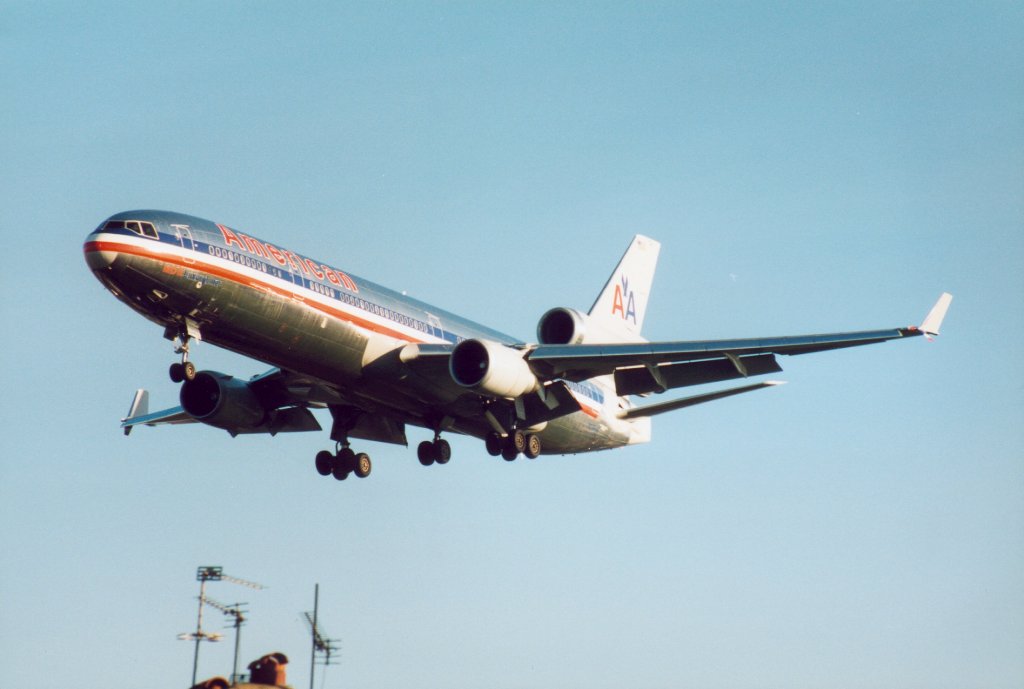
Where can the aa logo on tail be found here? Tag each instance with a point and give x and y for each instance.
(624, 302)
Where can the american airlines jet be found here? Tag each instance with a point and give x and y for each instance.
(379, 361)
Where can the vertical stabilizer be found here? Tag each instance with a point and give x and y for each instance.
(620, 308)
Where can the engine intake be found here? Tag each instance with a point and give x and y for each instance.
(561, 326)
(491, 368)
(221, 401)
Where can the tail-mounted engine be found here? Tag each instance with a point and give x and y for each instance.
(491, 368)
(562, 326)
(565, 326)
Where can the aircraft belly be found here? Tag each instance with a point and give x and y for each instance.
(579, 433)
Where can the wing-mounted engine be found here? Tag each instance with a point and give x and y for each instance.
(236, 406)
(492, 368)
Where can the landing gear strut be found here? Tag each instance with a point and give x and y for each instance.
(185, 370)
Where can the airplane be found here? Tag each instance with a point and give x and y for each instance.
(380, 361)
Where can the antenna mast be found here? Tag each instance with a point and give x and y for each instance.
(322, 646)
(235, 611)
(203, 575)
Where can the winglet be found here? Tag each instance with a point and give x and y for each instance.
(140, 407)
(933, 321)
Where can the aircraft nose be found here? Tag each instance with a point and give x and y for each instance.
(96, 256)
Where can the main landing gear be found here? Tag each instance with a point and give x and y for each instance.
(512, 445)
(438, 450)
(343, 462)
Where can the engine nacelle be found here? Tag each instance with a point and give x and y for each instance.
(491, 368)
(562, 326)
(219, 400)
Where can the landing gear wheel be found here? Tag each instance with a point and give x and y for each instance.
(324, 460)
(442, 451)
(508, 450)
(177, 372)
(425, 453)
(189, 370)
(518, 439)
(492, 441)
(363, 465)
(532, 446)
(343, 463)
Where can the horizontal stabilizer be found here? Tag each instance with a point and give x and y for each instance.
(663, 407)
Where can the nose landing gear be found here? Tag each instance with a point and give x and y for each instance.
(185, 370)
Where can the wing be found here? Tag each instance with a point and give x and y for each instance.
(286, 398)
(138, 414)
(640, 368)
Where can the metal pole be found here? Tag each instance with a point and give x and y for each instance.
(312, 661)
(199, 630)
(238, 634)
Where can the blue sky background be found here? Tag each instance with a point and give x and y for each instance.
(808, 167)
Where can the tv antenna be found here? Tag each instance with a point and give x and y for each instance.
(234, 610)
(323, 648)
(203, 575)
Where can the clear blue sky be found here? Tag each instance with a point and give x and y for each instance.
(808, 167)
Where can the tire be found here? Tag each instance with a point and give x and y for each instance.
(189, 369)
(519, 441)
(532, 450)
(343, 463)
(425, 453)
(176, 372)
(324, 460)
(363, 465)
(509, 452)
(492, 441)
(442, 451)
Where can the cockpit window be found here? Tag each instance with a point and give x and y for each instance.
(143, 229)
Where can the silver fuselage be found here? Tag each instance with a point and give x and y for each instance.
(309, 317)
